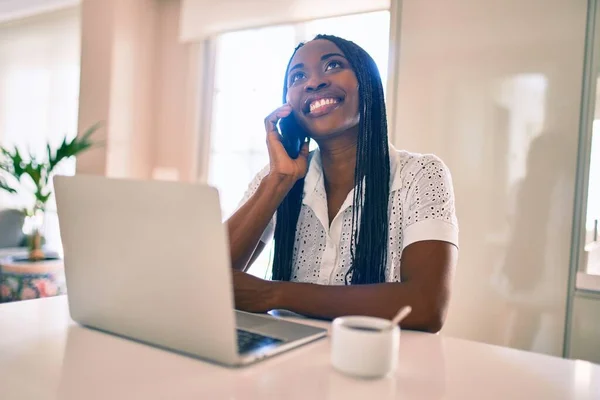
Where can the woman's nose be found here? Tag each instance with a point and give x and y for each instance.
(314, 85)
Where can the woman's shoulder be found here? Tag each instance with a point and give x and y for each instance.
(404, 158)
(407, 167)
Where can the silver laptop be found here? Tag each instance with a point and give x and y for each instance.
(150, 261)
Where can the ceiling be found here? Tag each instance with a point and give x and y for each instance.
(15, 9)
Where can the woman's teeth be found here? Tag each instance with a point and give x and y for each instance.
(315, 105)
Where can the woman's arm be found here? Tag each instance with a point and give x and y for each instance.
(247, 225)
(427, 270)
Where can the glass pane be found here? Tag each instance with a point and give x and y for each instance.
(39, 97)
(250, 69)
(593, 203)
(373, 35)
(231, 172)
(591, 260)
(493, 88)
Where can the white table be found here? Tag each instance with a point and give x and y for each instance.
(44, 355)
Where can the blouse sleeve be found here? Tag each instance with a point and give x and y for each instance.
(429, 205)
(252, 188)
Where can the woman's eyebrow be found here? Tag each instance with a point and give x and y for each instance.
(323, 58)
(297, 66)
(329, 55)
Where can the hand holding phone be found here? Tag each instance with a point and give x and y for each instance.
(286, 142)
(292, 135)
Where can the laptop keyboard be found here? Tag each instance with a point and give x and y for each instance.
(248, 341)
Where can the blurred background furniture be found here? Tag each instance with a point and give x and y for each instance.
(11, 228)
(24, 280)
(21, 279)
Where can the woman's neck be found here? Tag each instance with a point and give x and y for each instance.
(338, 158)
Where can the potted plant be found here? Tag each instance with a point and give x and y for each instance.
(15, 169)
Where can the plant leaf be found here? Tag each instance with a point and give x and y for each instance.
(13, 163)
(5, 186)
(73, 147)
(35, 172)
(18, 164)
(42, 198)
(86, 135)
(49, 150)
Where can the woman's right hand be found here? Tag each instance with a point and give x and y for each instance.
(283, 168)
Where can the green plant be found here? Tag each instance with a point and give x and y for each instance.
(15, 168)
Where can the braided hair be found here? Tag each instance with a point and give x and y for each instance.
(368, 247)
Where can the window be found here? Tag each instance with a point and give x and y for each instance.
(593, 203)
(591, 254)
(249, 72)
(592, 220)
(39, 92)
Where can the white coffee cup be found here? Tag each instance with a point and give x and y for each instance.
(364, 347)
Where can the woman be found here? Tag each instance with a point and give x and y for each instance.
(360, 228)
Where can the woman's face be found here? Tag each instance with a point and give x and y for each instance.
(323, 89)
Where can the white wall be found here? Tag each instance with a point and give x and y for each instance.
(176, 96)
(11, 10)
(117, 84)
(132, 115)
(140, 80)
(203, 18)
(493, 87)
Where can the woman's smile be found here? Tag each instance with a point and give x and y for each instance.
(323, 90)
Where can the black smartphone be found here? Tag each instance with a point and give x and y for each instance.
(292, 135)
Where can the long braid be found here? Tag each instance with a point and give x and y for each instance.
(371, 176)
(287, 217)
(371, 181)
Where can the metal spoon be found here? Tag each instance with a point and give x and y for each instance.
(402, 313)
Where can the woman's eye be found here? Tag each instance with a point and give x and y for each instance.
(296, 77)
(333, 65)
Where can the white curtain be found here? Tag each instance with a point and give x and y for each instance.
(39, 90)
(203, 18)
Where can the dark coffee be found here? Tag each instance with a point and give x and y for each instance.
(364, 328)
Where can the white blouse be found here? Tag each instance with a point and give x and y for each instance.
(421, 207)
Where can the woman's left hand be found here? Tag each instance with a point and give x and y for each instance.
(253, 294)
